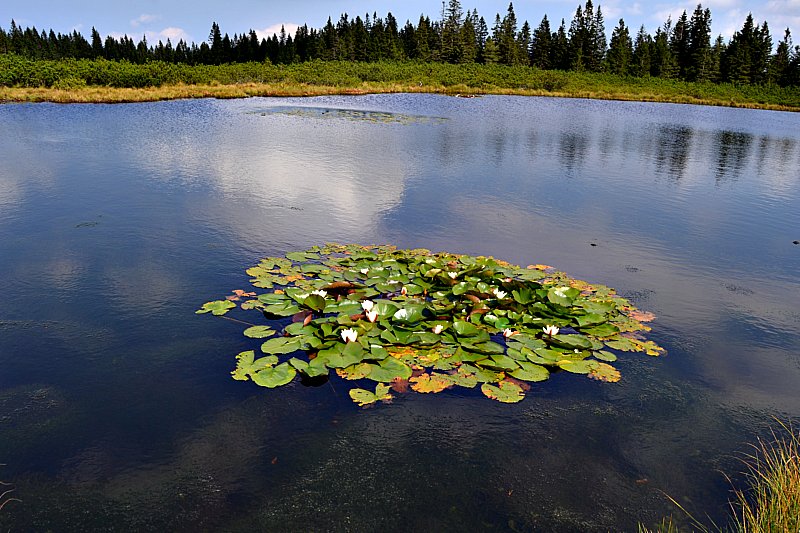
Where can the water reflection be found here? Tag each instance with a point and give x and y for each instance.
(116, 219)
(734, 150)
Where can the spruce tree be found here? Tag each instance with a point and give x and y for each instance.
(541, 46)
(640, 63)
(621, 50)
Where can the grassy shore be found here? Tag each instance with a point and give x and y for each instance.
(771, 504)
(23, 80)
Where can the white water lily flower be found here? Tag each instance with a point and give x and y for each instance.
(364, 271)
(438, 328)
(401, 314)
(367, 305)
(500, 294)
(320, 293)
(560, 291)
(349, 335)
(509, 333)
(551, 330)
(453, 275)
(372, 316)
(403, 291)
(577, 350)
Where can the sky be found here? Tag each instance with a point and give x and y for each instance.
(191, 21)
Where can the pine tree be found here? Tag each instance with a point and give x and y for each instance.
(662, 62)
(640, 63)
(698, 67)
(620, 51)
(780, 66)
(578, 34)
(597, 40)
(679, 44)
(541, 46)
(451, 32)
(507, 38)
(491, 53)
(97, 43)
(560, 58)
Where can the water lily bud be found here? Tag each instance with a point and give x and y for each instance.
(508, 333)
(438, 328)
(453, 275)
(403, 291)
(372, 316)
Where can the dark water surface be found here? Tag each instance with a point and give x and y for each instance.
(117, 411)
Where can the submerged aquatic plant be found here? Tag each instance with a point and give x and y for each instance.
(436, 320)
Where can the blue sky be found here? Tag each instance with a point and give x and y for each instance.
(159, 19)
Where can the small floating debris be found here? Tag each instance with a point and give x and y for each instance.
(355, 115)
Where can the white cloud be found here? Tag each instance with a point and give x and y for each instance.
(275, 29)
(144, 18)
(174, 34)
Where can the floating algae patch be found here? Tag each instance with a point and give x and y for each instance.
(428, 321)
(355, 115)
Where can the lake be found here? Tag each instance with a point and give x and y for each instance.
(117, 409)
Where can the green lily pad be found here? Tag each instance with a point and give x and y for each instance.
(530, 372)
(259, 332)
(280, 345)
(272, 377)
(247, 365)
(364, 397)
(217, 307)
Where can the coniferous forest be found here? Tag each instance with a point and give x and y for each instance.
(680, 50)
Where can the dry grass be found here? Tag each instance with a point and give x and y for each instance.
(98, 94)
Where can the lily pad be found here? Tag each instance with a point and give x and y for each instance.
(259, 332)
(217, 307)
(272, 377)
(364, 397)
(505, 391)
(430, 383)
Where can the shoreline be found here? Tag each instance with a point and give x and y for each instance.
(113, 95)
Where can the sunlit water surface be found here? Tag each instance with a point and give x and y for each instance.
(117, 411)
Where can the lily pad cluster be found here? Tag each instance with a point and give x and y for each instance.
(429, 321)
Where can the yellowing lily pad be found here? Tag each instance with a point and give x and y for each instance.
(505, 392)
(430, 383)
(217, 307)
(604, 372)
(364, 397)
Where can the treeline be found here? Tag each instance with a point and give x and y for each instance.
(681, 49)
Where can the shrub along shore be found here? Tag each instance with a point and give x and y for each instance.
(102, 81)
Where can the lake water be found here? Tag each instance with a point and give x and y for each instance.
(117, 410)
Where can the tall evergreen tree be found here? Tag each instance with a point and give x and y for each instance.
(640, 63)
(560, 57)
(662, 62)
(780, 65)
(679, 44)
(699, 68)
(620, 52)
(541, 46)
